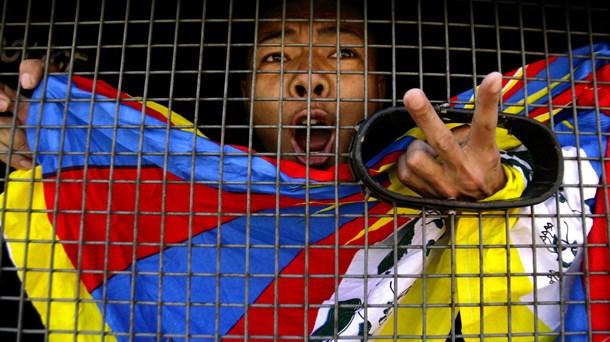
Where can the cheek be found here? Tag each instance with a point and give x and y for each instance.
(345, 139)
(267, 85)
(352, 86)
(266, 111)
(352, 99)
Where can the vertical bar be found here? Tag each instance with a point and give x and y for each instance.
(166, 155)
(134, 272)
(220, 189)
(336, 172)
(107, 242)
(192, 213)
(278, 157)
(579, 159)
(603, 160)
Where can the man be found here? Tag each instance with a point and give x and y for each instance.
(298, 75)
(470, 166)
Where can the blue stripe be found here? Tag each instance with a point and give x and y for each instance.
(205, 278)
(151, 150)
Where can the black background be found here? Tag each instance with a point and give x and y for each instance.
(444, 60)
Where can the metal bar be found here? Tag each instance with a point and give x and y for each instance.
(187, 57)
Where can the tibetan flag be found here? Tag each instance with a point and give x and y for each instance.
(134, 225)
(566, 92)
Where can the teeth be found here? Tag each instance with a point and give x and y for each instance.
(311, 122)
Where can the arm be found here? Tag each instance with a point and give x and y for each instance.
(469, 166)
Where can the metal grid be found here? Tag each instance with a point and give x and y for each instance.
(189, 57)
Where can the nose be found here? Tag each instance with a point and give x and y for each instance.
(302, 80)
(300, 90)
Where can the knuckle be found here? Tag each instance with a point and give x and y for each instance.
(20, 142)
(404, 171)
(449, 192)
(475, 187)
(20, 145)
(404, 174)
(486, 125)
(445, 144)
(416, 160)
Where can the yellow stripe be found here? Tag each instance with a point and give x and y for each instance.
(175, 118)
(568, 124)
(504, 140)
(535, 97)
(71, 307)
(518, 73)
(408, 320)
(511, 83)
(386, 219)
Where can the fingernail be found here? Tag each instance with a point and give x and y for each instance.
(415, 98)
(497, 83)
(27, 81)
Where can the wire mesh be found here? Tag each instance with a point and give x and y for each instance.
(193, 58)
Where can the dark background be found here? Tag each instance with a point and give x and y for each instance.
(444, 47)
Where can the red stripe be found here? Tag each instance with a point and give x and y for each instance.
(531, 70)
(388, 159)
(119, 225)
(602, 91)
(104, 89)
(290, 168)
(563, 99)
(297, 170)
(585, 94)
(291, 320)
(599, 284)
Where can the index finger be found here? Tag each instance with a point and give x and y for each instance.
(485, 119)
(438, 136)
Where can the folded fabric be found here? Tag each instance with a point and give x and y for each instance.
(517, 290)
(134, 224)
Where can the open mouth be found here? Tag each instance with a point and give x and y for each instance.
(320, 140)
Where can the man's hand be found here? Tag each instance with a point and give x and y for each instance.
(30, 73)
(464, 163)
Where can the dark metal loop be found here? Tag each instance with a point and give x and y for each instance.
(384, 127)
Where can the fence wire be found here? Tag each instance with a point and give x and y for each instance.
(149, 271)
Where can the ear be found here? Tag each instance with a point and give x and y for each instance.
(381, 84)
(243, 88)
(244, 92)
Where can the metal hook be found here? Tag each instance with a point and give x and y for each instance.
(384, 127)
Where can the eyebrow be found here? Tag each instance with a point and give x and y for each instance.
(277, 34)
(332, 30)
(323, 31)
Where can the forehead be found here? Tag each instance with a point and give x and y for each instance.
(326, 16)
(321, 9)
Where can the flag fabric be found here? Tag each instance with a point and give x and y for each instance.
(135, 225)
(563, 91)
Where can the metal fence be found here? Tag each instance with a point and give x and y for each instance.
(191, 57)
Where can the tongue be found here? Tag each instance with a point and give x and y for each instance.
(318, 138)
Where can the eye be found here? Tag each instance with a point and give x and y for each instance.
(344, 53)
(273, 58)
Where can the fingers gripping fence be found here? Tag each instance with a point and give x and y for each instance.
(239, 218)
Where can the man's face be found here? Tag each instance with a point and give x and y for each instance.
(296, 111)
